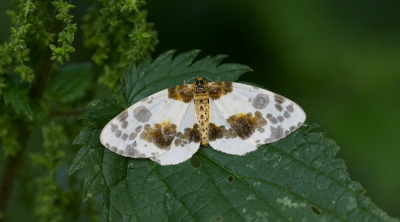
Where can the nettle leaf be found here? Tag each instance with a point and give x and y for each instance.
(17, 97)
(294, 179)
(70, 82)
(151, 77)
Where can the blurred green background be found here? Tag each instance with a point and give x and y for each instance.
(339, 60)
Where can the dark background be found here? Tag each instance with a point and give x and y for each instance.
(339, 60)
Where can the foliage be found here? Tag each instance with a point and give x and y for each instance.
(37, 92)
(120, 35)
(296, 178)
(48, 191)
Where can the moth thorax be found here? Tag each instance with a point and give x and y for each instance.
(200, 86)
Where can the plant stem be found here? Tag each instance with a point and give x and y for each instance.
(11, 169)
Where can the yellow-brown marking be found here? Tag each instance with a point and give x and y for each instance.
(216, 132)
(160, 135)
(245, 125)
(189, 135)
(218, 89)
(183, 93)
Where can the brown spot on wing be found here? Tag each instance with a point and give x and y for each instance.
(124, 124)
(160, 135)
(290, 108)
(278, 107)
(183, 93)
(189, 135)
(113, 127)
(218, 89)
(118, 133)
(215, 132)
(123, 116)
(245, 125)
(286, 115)
(272, 118)
(279, 99)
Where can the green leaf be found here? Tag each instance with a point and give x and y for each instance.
(17, 97)
(70, 82)
(165, 72)
(294, 179)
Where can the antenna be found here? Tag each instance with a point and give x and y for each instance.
(209, 79)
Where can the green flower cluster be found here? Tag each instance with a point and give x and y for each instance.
(120, 35)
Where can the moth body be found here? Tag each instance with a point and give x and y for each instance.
(202, 108)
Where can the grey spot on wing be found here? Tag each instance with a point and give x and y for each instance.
(118, 133)
(286, 114)
(108, 145)
(132, 152)
(113, 127)
(121, 152)
(155, 160)
(290, 108)
(142, 114)
(132, 136)
(249, 100)
(260, 101)
(299, 124)
(123, 116)
(276, 133)
(292, 128)
(124, 136)
(114, 148)
(124, 124)
(281, 119)
(287, 132)
(272, 118)
(279, 99)
(278, 107)
(138, 129)
(134, 144)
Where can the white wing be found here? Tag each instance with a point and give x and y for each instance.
(187, 140)
(250, 117)
(147, 128)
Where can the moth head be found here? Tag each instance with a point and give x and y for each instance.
(200, 85)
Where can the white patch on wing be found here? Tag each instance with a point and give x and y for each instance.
(123, 134)
(183, 147)
(283, 117)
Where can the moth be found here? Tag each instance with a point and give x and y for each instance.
(169, 126)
